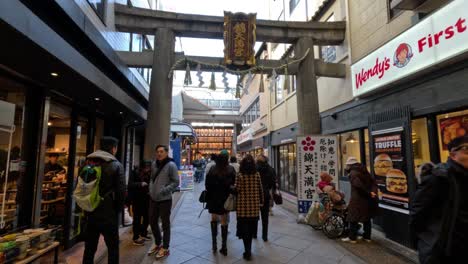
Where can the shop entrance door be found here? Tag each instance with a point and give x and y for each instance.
(391, 159)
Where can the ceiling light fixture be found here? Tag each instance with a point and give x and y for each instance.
(351, 138)
(54, 74)
(121, 113)
(49, 123)
(97, 99)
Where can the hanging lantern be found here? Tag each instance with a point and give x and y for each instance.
(212, 82)
(188, 78)
(199, 75)
(261, 89)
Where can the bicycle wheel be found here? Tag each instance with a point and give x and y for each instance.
(334, 226)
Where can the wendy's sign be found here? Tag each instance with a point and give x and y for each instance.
(439, 37)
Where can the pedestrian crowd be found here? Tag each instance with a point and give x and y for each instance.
(438, 211)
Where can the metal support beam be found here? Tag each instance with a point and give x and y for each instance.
(145, 21)
(306, 93)
(159, 108)
(145, 60)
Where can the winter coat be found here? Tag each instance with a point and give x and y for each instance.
(249, 195)
(235, 165)
(111, 188)
(208, 167)
(436, 210)
(162, 185)
(268, 176)
(218, 187)
(136, 192)
(362, 207)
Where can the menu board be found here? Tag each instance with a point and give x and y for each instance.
(186, 180)
(390, 169)
(315, 154)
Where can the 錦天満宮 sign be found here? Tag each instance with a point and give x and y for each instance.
(239, 39)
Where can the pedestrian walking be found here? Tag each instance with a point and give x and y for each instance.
(363, 204)
(164, 181)
(249, 200)
(439, 209)
(105, 218)
(138, 193)
(268, 177)
(234, 164)
(219, 184)
(210, 164)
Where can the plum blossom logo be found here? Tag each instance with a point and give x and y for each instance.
(308, 144)
(403, 55)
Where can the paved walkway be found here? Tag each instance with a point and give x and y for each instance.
(289, 242)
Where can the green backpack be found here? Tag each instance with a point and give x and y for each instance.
(86, 192)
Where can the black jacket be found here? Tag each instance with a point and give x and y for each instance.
(434, 212)
(268, 175)
(136, 192)
(111, 188)
(218, 186)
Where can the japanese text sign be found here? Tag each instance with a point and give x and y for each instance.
(239, 38)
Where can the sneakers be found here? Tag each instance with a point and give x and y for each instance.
(139, 242)
(162, 253)
(146, 238)
(346, 239)
(365, 239)
(154, 250)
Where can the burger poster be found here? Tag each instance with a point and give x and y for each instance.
(390, 170)
(453, 127)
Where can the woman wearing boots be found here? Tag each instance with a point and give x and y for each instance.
(268, 176)
(219, 184)
(249, 199)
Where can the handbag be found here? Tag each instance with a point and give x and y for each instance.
(230, 203)
(277, 198)
(202, 198)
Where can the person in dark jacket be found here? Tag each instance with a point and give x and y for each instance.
(139, 192)
(219, 184)
(363, 204)
(105, 218)
(249, 200)
(268, 176)
(164, 181)
(439, 209)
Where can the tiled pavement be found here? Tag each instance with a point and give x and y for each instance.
(289, 242)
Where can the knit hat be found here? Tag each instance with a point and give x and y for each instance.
(351, 161)
(224, 152)
(457, 142)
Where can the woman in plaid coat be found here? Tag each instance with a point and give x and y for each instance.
(249, 199)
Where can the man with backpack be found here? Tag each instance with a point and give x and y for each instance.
(439, 209)
(164, 181)
(102, 217)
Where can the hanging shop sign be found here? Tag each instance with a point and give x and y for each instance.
(439, 37)
(186, 180)
(239, 38)
(315, 154)
(245, 136)
(390, 169)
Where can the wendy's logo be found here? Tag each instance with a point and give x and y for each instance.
(403, 55)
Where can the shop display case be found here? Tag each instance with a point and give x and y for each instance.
(213, 140)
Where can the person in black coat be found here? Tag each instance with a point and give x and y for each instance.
(139, 197)
(363, 204)
(219, 184)
(439, 209)
(268, 175)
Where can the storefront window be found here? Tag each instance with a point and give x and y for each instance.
(287, 168)
(80, 160)
(349, 146)
(420, 143)
(11, 133)
(450, 126)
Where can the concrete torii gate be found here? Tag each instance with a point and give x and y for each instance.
(167, 25)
